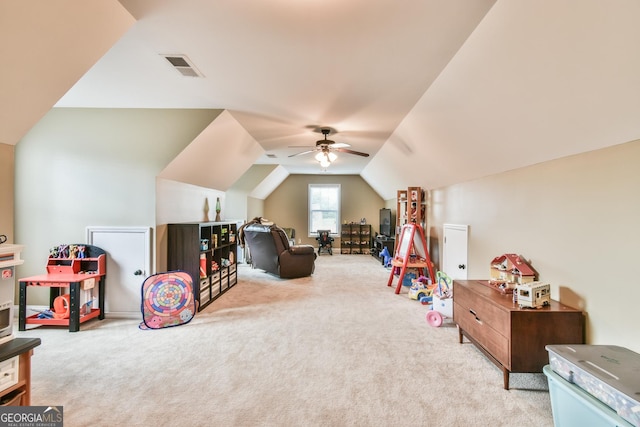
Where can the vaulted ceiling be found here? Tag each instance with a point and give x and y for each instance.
(435, 91)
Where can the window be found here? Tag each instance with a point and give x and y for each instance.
(324, 208)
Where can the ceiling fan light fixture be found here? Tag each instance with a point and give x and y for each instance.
(325, 163)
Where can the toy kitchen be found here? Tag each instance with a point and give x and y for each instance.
(9, 259)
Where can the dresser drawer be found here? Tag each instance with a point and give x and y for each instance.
(489, 313)
(9, 372)
(493, 341)
(512, 336)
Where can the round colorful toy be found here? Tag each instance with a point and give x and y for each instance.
(167, 300)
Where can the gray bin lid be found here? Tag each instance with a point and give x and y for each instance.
(616, 366)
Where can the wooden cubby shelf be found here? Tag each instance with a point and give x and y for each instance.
(207, 251)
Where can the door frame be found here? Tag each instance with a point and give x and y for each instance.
(458, 227)
(146, 231)
(91, 230)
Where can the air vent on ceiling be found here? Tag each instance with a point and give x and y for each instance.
(271, 156)
(183, 65)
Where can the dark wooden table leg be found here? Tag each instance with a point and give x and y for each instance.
(22, 307)
(101, 291)
(505, 377)
(74, 309)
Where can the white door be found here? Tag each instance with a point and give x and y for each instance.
(454, 252)
(128, 264)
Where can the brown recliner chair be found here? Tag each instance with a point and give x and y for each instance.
(270, 251)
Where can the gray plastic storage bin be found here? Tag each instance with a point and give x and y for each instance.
(610, 374)
(574, 407)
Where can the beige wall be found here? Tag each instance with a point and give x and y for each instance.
(98, 167)
(179, 202)
(6, 190)
(288, 206)
(255, 207)
(575, 219)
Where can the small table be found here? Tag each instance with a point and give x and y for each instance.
(56, 281)
(22, 347)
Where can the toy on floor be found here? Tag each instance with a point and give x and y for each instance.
(167, 300)
(421, 290)
(386, 256)
(442, 305)
(444, 289)
(409, 277)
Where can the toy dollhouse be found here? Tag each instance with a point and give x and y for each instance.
(510, 270)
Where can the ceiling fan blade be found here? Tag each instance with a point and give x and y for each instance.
(340, 145)
(304, 152)
(357, 153)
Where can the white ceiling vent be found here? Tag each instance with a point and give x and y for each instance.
(183, 65)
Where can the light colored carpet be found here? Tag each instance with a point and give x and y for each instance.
(335, 349)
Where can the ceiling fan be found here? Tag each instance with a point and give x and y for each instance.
(325, 148)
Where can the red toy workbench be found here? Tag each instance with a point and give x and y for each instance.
(73, 273)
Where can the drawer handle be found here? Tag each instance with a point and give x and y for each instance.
(475, 315)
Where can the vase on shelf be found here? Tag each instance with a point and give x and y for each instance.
(206, 210)
(218, 209)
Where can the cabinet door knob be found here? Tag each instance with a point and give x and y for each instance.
(137, 272)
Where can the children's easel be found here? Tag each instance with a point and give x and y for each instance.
(411, 252)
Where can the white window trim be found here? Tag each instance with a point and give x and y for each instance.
(339, 188)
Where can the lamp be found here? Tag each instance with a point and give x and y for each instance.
(325, 157)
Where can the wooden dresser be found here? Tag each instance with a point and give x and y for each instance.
(513, 338)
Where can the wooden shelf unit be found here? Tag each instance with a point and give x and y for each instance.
(207, 251)
(355, 239)
(410, 207)
(381, 242)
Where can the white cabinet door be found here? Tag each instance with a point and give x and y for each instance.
(454, 252)
(128, 264)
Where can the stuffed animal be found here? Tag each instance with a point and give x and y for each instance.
(81, 251)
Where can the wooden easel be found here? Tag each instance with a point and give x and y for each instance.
(411, 252)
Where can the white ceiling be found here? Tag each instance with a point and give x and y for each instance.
(437, 91)
(285, 67)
